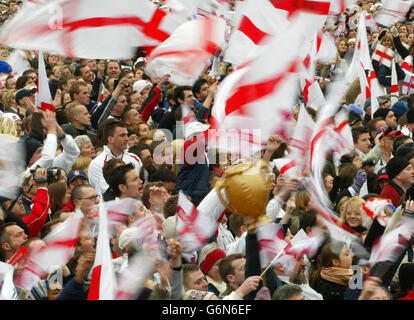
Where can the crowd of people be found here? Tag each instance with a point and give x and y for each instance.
(115, 134)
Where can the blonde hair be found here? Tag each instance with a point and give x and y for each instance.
(302, 200)
(352, 204)
(71, 109)
(8, 126)
(81, 163)
(7, 98)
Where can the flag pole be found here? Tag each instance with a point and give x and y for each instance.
(270, 264)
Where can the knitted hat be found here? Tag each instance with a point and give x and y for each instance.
(127, 236)
(399, 108)
(381, 113)
(410, 116)
(406, 276)
(395, 166)
(141, 85)
(30, 145)
(405, 152)
(209, 255)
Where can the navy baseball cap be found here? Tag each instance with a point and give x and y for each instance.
(76, 173)
(382, 174)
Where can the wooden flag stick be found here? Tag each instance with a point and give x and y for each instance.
(270, 264)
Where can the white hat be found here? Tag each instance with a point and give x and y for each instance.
(127, 236)
(141, 85)
(11, 116)
(195, 128)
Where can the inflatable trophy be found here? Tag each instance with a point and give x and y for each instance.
(246, 188)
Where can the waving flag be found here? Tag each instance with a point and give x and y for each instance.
(59, 249)
(271, 241)
(407, 64)
(392, 12)
(17, 60)
(10, 168)
(186, 53)
(394, 84)
(149, 235)
(312, 92)
(258, 20)
(72, 28)
(408, 84)
(120, 209)
(390, 245)
(8, 290)
(255, 20)
(265, 88)
(303, 244)
(132, 280)
(43, 96)
(383, 55)
(375, 209)
(361, 61)
(299, 144)
(103, 277)
(339, 6)
(60, 243)
(193, 227)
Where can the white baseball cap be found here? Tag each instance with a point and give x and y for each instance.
(195, 128)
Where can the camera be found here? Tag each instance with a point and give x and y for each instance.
(53, 175)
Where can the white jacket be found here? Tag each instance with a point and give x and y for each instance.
(65, 160)
(95, 173)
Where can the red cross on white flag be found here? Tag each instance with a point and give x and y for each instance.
(271, 241)
(408, 84)
(186, 53)
(74, 29)
(383, 55)
(390, 245)
(194, 227)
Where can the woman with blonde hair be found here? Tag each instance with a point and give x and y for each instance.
(8, 126)
(352, 214)
(9, 99)
(82, 163)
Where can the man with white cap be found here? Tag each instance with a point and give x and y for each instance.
(125, 239)
(193, 176)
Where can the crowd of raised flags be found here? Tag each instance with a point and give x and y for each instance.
(249, 80)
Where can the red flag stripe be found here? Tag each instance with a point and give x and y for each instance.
(383, 56)
(292, 6)
(95, 283)
(249, 93)
(251, 31)
(287, 166)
